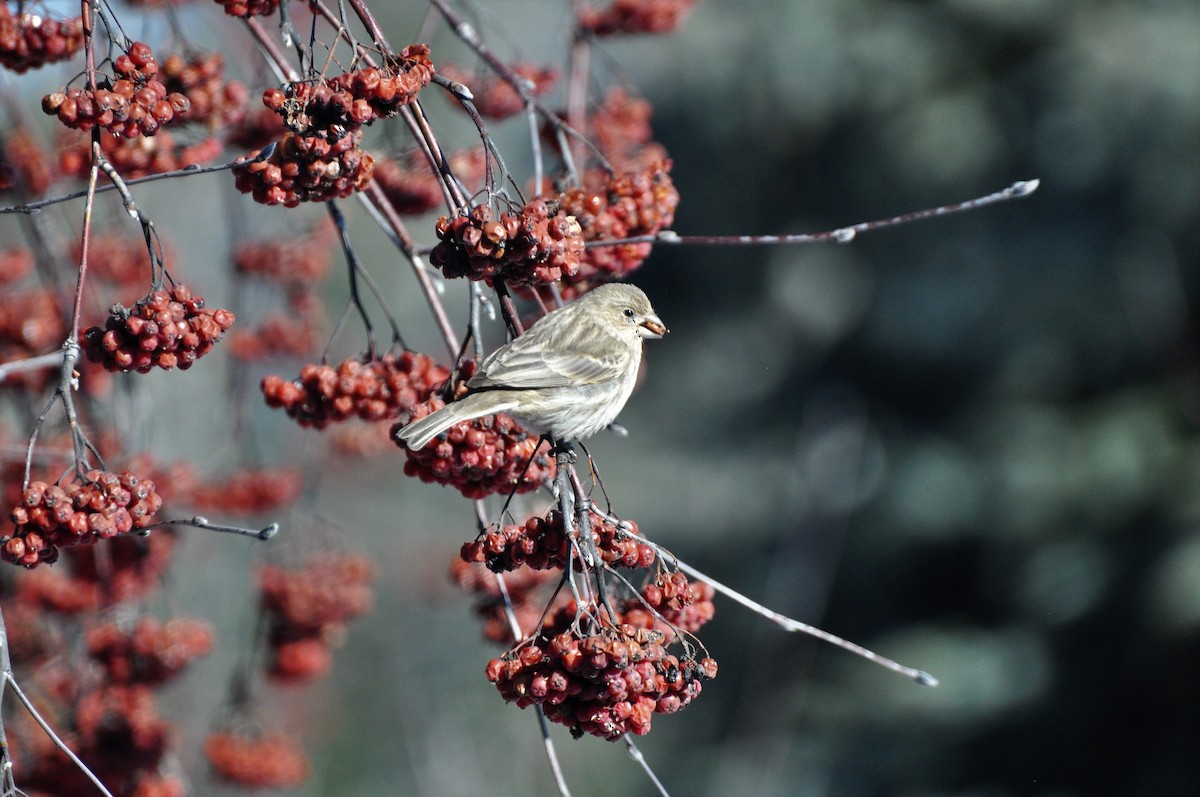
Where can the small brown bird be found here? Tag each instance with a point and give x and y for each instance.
(567, 376)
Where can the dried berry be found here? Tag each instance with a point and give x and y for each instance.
(166, 329)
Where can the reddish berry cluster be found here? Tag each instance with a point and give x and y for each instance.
(525, 588)
(31, 320)
(138, 104)
(250, 492)
(308, 608)
(276, 335)
(335, 106)
(301, 169)
(614, 207)
(542, 544)
(620, 128)
(120, 260)
(116, 728)
(151, 652)
(257, 128)
(168, 329)
(605, 684)
(50, 516)
(23, 165)
(201, 78)
(120, 726)
(249, 8)
(51, 589)
(376, 390)
(138, 157)
(15, 264)
(494, 97)
(257, 760)
(128, 567)
(635, 16)
(301, 259)
(537, 245)
(684, 605)
(31, 41)
(483, 457)
(413, 188)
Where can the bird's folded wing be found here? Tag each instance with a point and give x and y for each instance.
(518, 368)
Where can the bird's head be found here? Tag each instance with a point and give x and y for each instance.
(626, 307)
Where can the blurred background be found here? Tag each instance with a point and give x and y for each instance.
(970, 444)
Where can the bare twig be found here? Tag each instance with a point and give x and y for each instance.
(788, 624)
(201, 522)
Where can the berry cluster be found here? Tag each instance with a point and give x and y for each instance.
(635, 16)
(23, 165)
(49, 515)
(116, 728)
(151, 652)
(333, 107)
(255, 130)
(376, 390)
(276, 335)
(483, 457)
(31, 323)
(685, 606)
(139, 157)
(256, 760)
(301, 259)
(119, 260)
(201, 78)
(15, 264)
(308, 608)
(611, 207)
(130, 567)
(30, 320)
(605, 684)
(542, 544)
(249, 8)
(250, 492)
(51, 589)
(537, 245)
(494, 97)
(168, 329)
(620, 128)
(138, 104)
(413, 188)
(31, 41)
(121, 727)
(525, 592)
(301, 169)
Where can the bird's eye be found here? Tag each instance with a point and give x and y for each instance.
(628, 313)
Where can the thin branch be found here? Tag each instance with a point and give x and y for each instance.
(637, 756)
(842, 235)
(201, 522)
(34, 207)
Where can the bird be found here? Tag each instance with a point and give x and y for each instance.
(568, 376)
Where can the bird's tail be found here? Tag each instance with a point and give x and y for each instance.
(417, 434)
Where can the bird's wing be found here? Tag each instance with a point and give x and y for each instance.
(528, 363)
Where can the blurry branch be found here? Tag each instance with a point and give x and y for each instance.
(10, 682)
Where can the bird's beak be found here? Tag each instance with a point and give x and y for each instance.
(652, 327)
